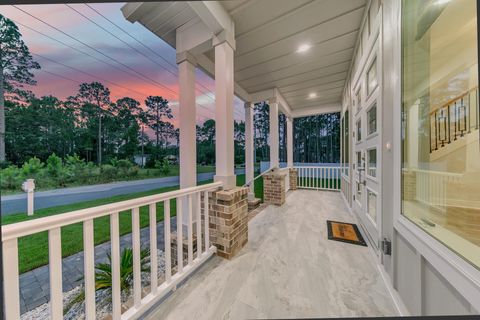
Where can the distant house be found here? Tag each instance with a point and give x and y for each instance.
(141, 159)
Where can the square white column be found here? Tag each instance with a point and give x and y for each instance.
(187, 120)
(249, 149)
(224, 152)
(188, 141)
(289, 142)
(274, 136)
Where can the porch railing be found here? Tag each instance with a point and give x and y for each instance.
(318, 178)
(286, 172)
(53, 225)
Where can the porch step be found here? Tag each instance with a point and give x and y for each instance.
(253, 204)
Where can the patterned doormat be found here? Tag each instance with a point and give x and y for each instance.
(345, 232)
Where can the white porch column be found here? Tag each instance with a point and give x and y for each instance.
(224, 152)
(188, 144)
(289, 142)
(274, 136)
(249, 147)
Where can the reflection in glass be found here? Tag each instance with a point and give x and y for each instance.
(440, 147)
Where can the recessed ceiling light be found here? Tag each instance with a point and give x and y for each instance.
(304, 48)
(312, 95)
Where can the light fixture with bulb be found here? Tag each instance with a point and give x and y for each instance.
(303, 48)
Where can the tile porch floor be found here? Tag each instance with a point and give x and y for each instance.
(288, 269)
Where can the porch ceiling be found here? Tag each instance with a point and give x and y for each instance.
(268, 34)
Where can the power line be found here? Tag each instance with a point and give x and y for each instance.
(96, 50)
(87, 45)
(148, 48)
(88, 74)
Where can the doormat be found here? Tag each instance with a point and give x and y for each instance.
(345, 232)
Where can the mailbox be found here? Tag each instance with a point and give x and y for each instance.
(28, 185)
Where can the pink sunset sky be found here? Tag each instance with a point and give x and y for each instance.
(155, 75)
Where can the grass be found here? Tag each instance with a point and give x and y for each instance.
(33, 249)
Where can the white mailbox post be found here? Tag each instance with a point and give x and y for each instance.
(28, 186)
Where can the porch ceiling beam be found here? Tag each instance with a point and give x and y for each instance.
(215, 17)
(271, 95)
(207, 66)
(194, 37)
(320, 109)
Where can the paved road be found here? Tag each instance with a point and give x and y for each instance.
(46, 199)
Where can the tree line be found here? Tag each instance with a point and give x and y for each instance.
(96, 129)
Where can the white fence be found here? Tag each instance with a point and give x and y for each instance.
(318, 178)
(53, 224)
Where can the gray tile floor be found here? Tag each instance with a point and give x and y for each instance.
(35, 284)
(288, 269)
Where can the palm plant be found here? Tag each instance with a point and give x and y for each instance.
(103, 274)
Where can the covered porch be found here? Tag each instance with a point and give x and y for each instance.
(288, 269)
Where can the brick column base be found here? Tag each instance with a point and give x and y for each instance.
(274, 188)
(228, 214)
(293, 178)
(174, 247)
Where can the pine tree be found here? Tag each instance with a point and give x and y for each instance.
(16, 64)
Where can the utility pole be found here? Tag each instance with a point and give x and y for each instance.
(99, 139)
(143, 141)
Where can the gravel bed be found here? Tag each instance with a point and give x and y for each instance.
(102, 298)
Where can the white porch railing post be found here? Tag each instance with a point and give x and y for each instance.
(249, 146)
(89, 269)
(289, 142)
(11, 279)
(224, 83)
(55, 267)
(274, 136)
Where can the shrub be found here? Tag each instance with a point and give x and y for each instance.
(10, 178)
(32, 167)
(54, 165)
(163, 166)
(108, 172)
(133, 171)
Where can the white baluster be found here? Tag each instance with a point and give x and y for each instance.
(179, 236)
(89, 269)
(206, 220)
(55, 267)
(137, 276)
(152, 212)
(115, 257)
(10, 279)
(167, 240)
(190, 229)
(198, 209)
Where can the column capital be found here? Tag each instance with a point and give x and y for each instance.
(272, 100)
(223, 37)
(186, 56)
(249, 105)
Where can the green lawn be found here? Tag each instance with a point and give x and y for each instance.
(33, 250)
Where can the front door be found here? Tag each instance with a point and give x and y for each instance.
(366, 144)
